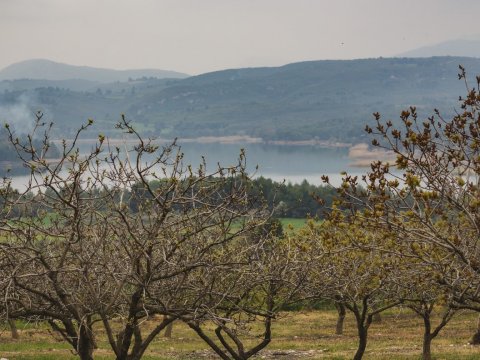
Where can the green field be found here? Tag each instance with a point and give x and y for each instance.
(293, 224)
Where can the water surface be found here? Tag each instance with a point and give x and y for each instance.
(290, 163)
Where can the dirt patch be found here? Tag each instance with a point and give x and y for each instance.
(266, 354)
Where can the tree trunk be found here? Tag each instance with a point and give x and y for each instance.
(341, 317)
(13, 328)
(362, 342)
(476, 337)
(140, 345)
(427, 341)
(137, 351)
(168, 330)
(124, 337)
(427, 338)
(86, 343)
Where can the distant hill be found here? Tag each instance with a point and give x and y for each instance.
(50, 70)
(329, 100)
(458, 47)
(30, 84)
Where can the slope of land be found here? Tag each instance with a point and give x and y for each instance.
(51, 70)
(457, 47)
(320, 100)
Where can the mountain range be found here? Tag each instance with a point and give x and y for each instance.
(41, 69)
(458, 47)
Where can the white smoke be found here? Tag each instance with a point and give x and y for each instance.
(20, 116)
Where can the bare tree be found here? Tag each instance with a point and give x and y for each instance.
(269, 274)
(113, 236)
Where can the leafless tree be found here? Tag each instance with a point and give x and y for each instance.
(268, 276)
(115, 236)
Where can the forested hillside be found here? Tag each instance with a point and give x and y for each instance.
(326, 100)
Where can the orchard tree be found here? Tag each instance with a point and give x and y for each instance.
(428, 198)
(352, 267)
(422, 288)
(78, 253)
(269, 275)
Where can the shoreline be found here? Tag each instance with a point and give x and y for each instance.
(234, 139)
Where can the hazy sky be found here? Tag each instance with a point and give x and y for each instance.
(196, 36)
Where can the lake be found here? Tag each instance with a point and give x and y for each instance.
(292, 163)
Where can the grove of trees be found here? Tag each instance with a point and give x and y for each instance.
(425, 207)
(104, 241)
(74, 253)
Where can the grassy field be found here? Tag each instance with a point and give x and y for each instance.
(297, 335)
(292, 224)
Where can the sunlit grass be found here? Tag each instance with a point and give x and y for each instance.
(294, 224)
(310, 334)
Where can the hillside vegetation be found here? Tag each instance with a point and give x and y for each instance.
(326, 100)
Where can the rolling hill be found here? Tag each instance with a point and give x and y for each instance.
(458, 47)
(325, 100)
(41, 69)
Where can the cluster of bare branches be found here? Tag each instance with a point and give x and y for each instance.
(114, 237)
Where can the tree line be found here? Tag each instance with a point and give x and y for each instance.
(282, 199)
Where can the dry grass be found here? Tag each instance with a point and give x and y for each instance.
(298, 335)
